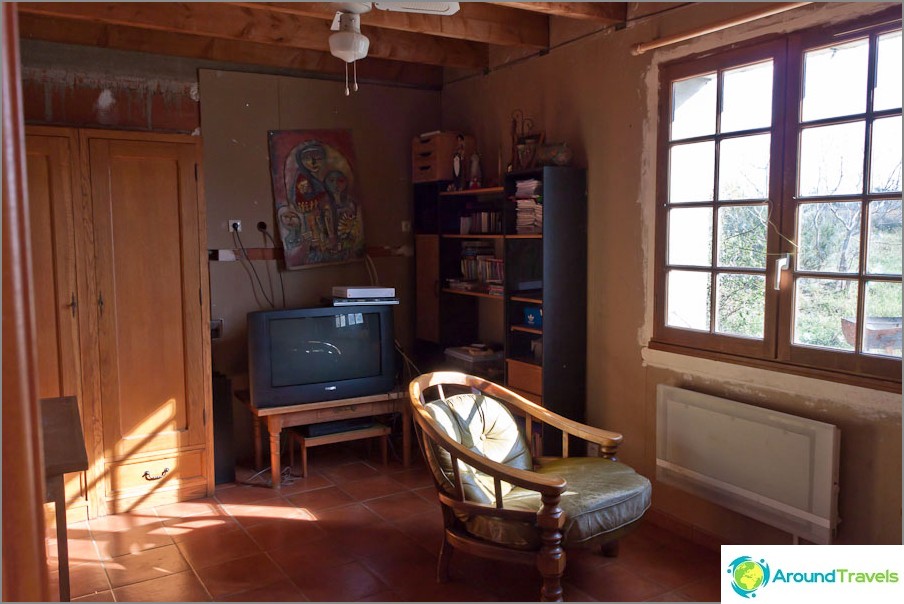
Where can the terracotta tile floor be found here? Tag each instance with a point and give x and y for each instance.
(354, 530)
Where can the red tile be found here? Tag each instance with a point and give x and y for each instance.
(708, 589)
(312, 481)
(123, 522)
(276, 534)
(414, 478)
(87, 579)
(400, 506)
(239, 575)
(249, 514)
(281, 591)
(348, 472)
(345, 583)
(320, 554)
(612, 583)
(185, 509)
(371, 488)
(321, 499)
(150, 564)
(180, 529)
(181, 587)
(381, 541)
(211, 549)
(111, 544)
(244, 494)
(103, 596)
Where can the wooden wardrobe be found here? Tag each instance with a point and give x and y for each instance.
(118, 239)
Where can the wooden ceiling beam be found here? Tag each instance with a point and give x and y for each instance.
(476, 21)
(243, 24)
(119, 37)
(609, 13)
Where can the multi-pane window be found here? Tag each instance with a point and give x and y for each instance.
(779, 222)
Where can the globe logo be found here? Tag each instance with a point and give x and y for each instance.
(748, 575)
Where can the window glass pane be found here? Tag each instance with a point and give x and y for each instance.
(828, 235)
(694, 107)
(887, 94)
(747, 97)
(883, 254)
(882, 332)
(688, 300)
(885, 157)
(744, 168)
(742, 236)
(822, 309)
(691, 236)
(741, 305)
(831, 160)
(835, 80)
(691, 172)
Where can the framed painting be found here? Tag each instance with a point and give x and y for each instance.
(317, 209)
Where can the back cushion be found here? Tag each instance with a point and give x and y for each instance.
(486, 427)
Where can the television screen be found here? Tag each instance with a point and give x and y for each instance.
(324, 349)
(307, 355)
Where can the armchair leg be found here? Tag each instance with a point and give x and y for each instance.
(551, 557)
(610, 549)
(442, 565)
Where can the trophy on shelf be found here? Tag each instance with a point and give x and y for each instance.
(525, 142)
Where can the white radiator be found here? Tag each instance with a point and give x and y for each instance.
(777, 468)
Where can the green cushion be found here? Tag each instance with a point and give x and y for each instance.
(602, 496)
(485, 426)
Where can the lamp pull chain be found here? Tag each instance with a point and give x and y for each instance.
(356, 75)
(346, 79)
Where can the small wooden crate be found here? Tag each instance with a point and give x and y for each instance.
(431, 156)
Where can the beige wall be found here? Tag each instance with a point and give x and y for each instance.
(237, 110)
(601, 100)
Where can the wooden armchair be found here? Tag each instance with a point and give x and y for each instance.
(500, 499)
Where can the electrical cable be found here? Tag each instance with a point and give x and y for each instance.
(262, 227)
(236, 236)
(371, 270)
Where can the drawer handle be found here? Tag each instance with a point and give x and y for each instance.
(147, 474)
(425, 154)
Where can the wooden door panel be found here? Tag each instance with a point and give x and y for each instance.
(427, 287)
(148, 273)
(52, 182)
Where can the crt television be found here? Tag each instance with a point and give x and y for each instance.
(307, 355)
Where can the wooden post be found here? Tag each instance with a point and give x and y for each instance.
(551, 558)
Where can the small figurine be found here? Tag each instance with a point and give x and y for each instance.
(474, 172)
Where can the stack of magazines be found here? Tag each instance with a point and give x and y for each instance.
(528, 216)
(528, 207)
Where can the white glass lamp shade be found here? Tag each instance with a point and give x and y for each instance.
(349, 46)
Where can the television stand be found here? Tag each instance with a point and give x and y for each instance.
(277, 418)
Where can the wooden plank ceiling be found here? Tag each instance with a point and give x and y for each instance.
(405, 47)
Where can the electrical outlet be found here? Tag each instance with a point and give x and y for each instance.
(234, 225)
(216, 329)
(406, 226)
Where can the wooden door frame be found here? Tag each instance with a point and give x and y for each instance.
(25, 575)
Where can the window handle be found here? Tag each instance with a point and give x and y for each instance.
(782, 263)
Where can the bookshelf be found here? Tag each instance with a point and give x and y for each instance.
(543, 266)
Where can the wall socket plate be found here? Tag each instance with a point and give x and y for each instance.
(234, 225)
(216, 329)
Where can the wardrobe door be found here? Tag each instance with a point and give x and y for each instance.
(52, 164)
(152, 336)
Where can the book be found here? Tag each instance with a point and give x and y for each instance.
(339, 301)
(362, 291)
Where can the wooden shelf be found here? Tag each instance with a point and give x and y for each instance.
(475, 236)
(527, 329)
(526, 236)
(531, 297)
(477, 294)
(484, 191)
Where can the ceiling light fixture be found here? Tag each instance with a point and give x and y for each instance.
(349, 44)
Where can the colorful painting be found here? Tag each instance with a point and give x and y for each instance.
(317, 210)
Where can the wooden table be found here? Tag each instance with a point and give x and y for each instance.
(64, 451)
(278, 418)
